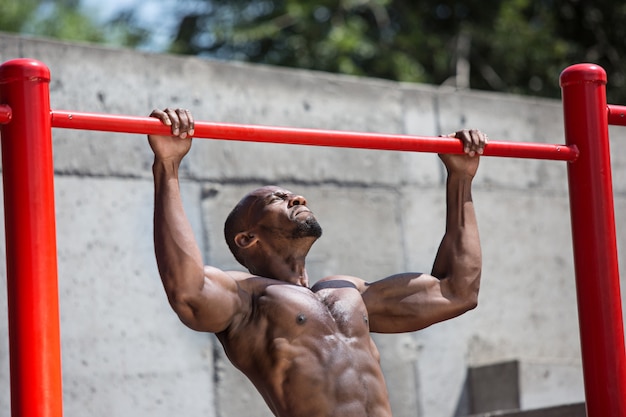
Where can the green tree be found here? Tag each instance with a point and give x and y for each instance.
(516, 46)
(64, 19)
(351, 36)
(15, 13)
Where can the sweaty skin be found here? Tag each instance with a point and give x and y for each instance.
(308, 350)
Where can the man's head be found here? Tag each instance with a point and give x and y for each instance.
(270, 219)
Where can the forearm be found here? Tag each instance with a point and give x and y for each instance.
(459, 258)
(177, 253)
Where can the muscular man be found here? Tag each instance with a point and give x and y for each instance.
(308, 350)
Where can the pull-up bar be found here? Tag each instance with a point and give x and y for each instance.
(314, 137)
(617, 115)
(26, 123)
(5, 114)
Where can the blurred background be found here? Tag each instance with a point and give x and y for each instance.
(512, 46)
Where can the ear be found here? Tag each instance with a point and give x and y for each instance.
(244, 240)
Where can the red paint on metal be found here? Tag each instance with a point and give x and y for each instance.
(617, 115)
(5, 114)
(314, 137)
(594, 241)
(27, 172)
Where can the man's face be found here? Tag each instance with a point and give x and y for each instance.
(283, 213)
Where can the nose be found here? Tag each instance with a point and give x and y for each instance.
(297, 200)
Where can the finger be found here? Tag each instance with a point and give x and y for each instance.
(175, 121)
(192, 124)
(470, 142)
(162, 116)
(476, 139)
(465, 137)
(187, 125)
(481, 142)
(184, 122)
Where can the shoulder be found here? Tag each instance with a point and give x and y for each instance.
(240, 275)
(250, 284)
(340, 281)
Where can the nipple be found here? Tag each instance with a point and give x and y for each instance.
(300, 318)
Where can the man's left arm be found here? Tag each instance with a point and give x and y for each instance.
(412, 301)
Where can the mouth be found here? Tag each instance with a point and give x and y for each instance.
(299, 211)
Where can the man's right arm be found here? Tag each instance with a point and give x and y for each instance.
(205, 298)
(411, 301)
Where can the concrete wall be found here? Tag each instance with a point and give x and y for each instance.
(125, 352)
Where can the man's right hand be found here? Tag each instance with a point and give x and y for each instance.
(474, 142)
(176, 146)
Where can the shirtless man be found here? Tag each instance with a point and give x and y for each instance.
(308, 350)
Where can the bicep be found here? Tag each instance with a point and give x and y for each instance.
(214, 306)
(409, 302)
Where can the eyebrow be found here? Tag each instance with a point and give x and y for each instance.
(278, 193)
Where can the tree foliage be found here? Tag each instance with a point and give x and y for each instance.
(65, 20)
(517, 46)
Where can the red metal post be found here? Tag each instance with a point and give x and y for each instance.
(594, 241)
(32, 287)
(5, 114)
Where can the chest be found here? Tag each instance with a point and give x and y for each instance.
(327, 311)
(290, 326)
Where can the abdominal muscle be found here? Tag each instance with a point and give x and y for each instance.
(327, 377)
(320, 367)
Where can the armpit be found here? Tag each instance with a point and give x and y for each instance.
(337, 282)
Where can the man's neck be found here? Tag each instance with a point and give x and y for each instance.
(290, 270)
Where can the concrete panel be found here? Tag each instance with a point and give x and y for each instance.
(617, 142)
(421, 118)
(620, 226)
(398, 357)
(301, 99)
(550, 384)
(527, 291)
(10, 48)
(220, 92)
(569, 410)
(92, 79)
(509, 118)
(235, 394)
(494, 387)
(5, 392)
(124, 350)
(382, 213)
(524, 385)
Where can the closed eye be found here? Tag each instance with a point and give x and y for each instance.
(276, 197)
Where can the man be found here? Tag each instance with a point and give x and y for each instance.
(307, 350)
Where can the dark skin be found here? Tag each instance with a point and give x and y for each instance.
(308, 350)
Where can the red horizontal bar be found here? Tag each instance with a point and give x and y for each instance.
(314, 137)
(617, 115)
(5, 114)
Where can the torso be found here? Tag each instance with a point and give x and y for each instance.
(308, 351)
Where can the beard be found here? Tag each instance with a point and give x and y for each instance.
(309, 227)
